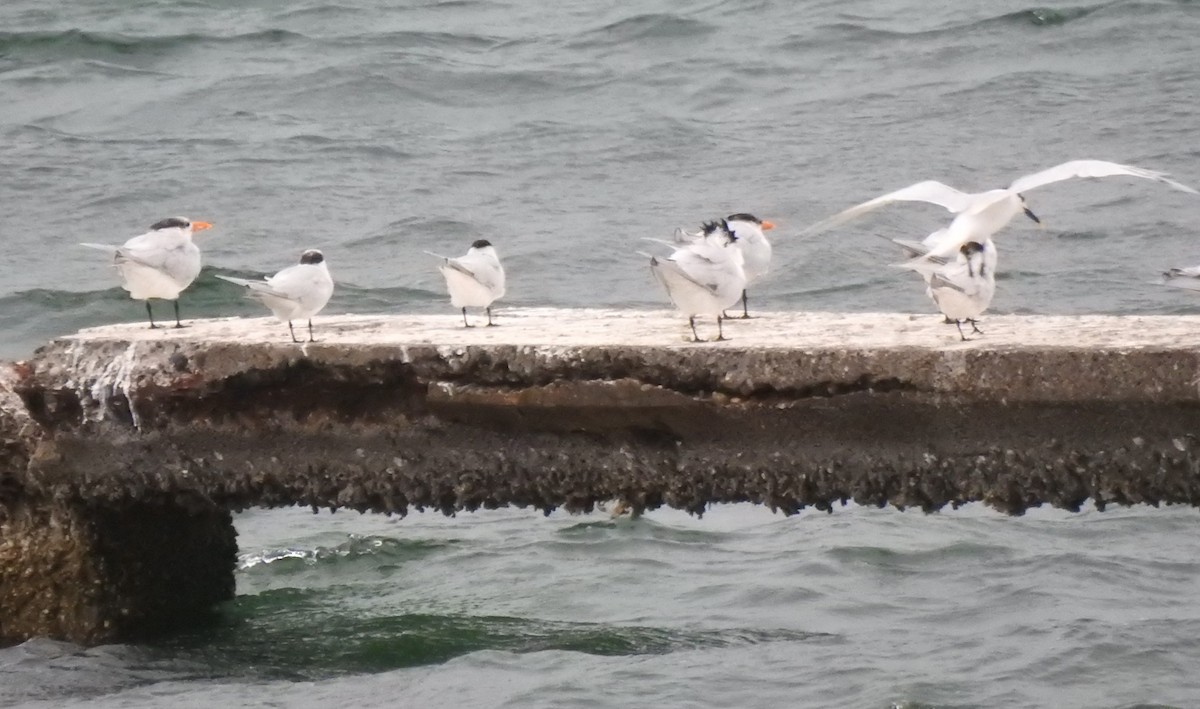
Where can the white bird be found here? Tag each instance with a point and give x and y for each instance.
(474, 280)
(1186, 278)
(160, 263)
(704, 277)
(296, 293)
(981, 215)
(750, 240)
(918, 249)
(961, 287)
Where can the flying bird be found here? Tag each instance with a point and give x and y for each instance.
(979, 216)
(703, 277)
(475, 280)
(160, 263)
(296, 293)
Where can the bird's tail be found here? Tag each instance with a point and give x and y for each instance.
(101, 247)
(238, 281)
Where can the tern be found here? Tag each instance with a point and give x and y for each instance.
(961, 287)
(750, 239)
(474, 280)
(704, 277)
(979, 216)
(296, 293)
(160, 263)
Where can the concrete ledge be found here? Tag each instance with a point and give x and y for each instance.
(568, 407)
(127, 448)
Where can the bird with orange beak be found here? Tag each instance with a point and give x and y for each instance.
(749, 237)
(160, 263)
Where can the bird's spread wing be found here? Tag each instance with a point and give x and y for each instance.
(930, 191)
(1090, 168)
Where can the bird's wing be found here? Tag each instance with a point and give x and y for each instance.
(926, 264)
(1090, 168)
(481, 268)
(123, 254)
(1188, 278)
(256, 286)
(938, 280)
(930, 191)
(683, 236)
(670, 264)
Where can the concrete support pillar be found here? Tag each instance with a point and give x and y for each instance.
(92, 575)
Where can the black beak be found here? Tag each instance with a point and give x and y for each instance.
(1029, 213)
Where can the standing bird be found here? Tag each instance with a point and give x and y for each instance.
(160, 263)
(961, 287)
(704, 277)
(296, 293)
(979, 216)
(475, 280)
(750, 240)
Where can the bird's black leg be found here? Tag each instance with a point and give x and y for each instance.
(948, 320)
(310, 335)
(720, 332)
(692, 322)
(745, 306)
(975, 325)
(176, 302)
(958, 324)
(489, 312)
(292, 332)
(465, 323)
(151, 314)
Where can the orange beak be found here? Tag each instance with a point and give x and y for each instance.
(767, 226)
(201, 226)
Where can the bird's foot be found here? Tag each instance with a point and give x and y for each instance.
(720, 338)
(975, 327)
(153, 326)
(179, 326)
(492, 324)
(746, 316)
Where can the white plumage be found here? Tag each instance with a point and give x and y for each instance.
(474, 280)
(981, 215)
(705, 276)
(296, 293)
(160, 263)
(962, 287)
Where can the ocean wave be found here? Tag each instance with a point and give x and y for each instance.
(859, 31)
(76, 42)
(356, 546)
(640, 28)
(281, 634)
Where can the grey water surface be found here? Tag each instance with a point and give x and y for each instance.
(565, 133)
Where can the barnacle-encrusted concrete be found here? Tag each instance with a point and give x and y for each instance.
(565, 408)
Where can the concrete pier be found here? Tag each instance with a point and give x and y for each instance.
(126, 448)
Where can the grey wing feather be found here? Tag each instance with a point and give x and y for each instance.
(256, 286)
(678, 270)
